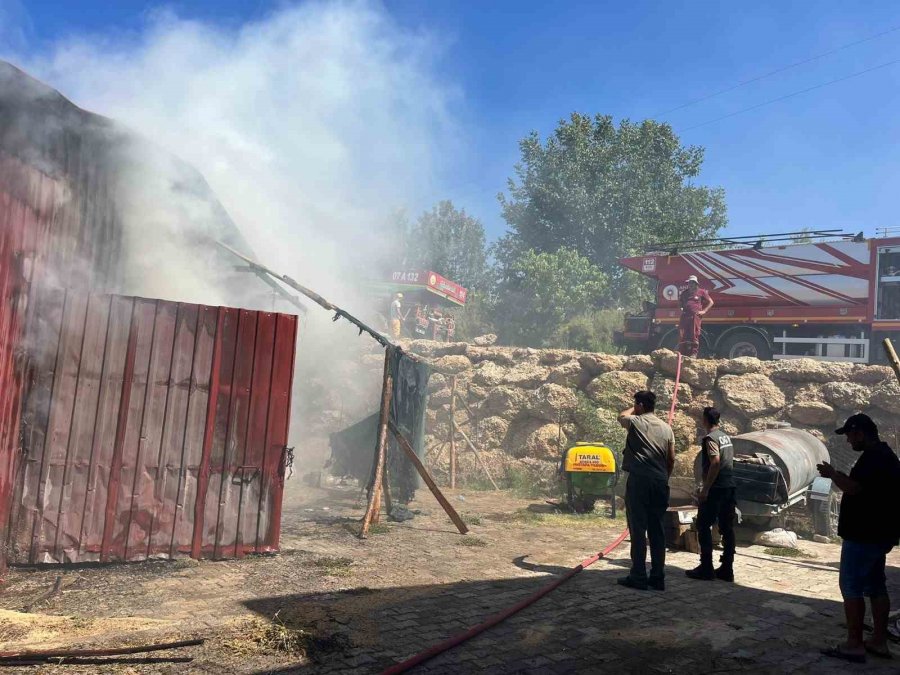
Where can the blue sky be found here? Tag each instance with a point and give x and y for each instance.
(824, 159)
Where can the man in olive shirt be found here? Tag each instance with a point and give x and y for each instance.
(717, 499)
(649, 459)
(869, 525)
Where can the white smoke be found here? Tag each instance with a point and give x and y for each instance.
(310, 125)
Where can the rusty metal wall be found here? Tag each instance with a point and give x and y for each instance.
(13, 227)
(152, 429)
(49, 235)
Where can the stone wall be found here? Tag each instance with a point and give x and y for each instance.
(528, 402)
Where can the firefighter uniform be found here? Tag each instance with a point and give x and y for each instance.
(693, 301)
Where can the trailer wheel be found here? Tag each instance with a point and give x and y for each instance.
(744, 343)
(825, 515)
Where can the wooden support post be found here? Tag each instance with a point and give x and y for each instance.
(374, 506)
(453, 433)
(892, 357)
(386, 487)
(429, 481)
(480, 460)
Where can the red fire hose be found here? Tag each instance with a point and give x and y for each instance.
(442, 647)
(459, 639)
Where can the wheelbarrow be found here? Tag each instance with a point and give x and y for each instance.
(590, 472)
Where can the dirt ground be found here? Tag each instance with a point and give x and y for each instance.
(319, 605)
(161, 601)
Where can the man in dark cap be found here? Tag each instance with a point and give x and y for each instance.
(869, 525)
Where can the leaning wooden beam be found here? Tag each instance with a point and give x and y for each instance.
(39, 655)
(429, 481)
(478, 457)
(312, 295)
(374, 506)
(892, 357)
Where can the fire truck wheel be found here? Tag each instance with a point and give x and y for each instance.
(744, 343)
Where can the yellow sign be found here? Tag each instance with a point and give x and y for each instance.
(591, 458)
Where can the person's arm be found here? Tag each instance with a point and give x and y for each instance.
(625, 417)
(709, 304)
(846, 484)
(670, 456)
(711, 448)
(715, 464)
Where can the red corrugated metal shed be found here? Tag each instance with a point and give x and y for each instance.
(183, 460)
(152, 429)
(110, 459)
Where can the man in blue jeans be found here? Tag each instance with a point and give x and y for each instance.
(869, 524)
(649, 458)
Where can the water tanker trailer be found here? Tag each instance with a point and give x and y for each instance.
(774, 470)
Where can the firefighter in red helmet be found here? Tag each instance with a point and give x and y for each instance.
(695, 302)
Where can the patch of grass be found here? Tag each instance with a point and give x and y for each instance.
(333, 567)
(558, 519)
(525, 517)
(473, 519)
(353, 528)
(275, 636)
(471, 541)
(786, 552)
(479, 484)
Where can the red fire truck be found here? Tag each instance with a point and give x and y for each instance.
(833, 299)
(430, 302)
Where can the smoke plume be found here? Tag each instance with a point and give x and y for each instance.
(310, 125)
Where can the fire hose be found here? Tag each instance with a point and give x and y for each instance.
(459, 639)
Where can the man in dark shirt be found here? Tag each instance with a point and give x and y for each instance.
(869, 525)
(649, 458)
(695, 302)
(717, 500)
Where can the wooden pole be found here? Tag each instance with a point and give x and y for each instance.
(42, 655)
(892, 357)
(453, 433)
(429, 481)
(374, 506)
(386, 487)
(480, 460)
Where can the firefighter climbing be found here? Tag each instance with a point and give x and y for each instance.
(695, 302)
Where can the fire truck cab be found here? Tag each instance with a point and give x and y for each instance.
(832, 300)
(430, 303)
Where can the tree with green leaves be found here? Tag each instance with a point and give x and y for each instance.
(539, 292)
(450, 242)
(606, 191)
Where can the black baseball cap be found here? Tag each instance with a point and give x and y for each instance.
(858, 422)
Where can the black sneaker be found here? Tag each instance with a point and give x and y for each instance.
(631, 583)
(725, 574)
(701, 573)
(656, 584)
